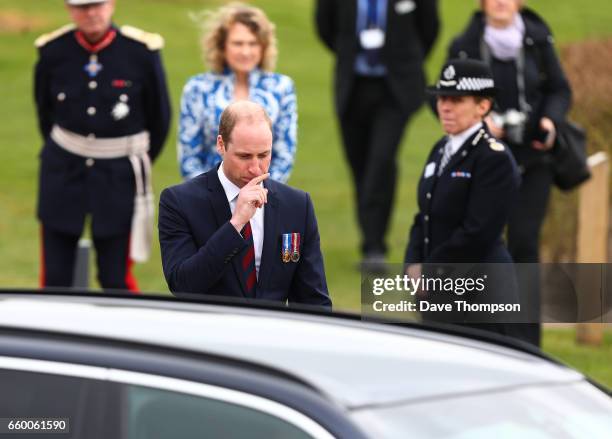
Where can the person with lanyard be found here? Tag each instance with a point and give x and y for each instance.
(239, 46)
(380, 47)
(103, 113)
(466, 193)
(535, 97)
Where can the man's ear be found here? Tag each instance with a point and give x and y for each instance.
(220, 146)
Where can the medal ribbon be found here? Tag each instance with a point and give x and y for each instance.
(295, 242)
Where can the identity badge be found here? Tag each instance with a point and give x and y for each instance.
(372, 38)
(405, 6)
(430, 169)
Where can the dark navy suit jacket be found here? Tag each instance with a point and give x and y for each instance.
(202, 252)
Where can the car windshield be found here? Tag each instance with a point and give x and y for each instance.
(569, 411)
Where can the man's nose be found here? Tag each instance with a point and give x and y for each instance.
(254, 166)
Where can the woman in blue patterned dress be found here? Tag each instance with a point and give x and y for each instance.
(240, 49)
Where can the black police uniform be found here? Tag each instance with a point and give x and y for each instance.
(463, 210)
(115, 89)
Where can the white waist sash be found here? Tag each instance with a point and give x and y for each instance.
(134, 147)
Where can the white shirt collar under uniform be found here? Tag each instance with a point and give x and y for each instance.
(459, 139)
(257, 222)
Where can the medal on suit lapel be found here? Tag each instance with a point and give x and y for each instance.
(286, 250)
(295, 244)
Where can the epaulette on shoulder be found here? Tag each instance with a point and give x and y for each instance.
(48, 37)
(152, 41)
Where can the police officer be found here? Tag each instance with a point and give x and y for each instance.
(104, 113)
(468, 186)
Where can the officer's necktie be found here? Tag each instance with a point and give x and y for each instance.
(446, 156)
(248, 261)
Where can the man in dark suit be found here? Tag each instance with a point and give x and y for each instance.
(380, 47)
(233, 232)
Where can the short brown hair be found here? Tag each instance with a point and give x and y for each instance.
(216, 27)
(239, 110)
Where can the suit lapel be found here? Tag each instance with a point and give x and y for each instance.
(270, 243)
(429, 183)
(223, 213)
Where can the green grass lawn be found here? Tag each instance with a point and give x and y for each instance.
(593, 361)
(320, 168)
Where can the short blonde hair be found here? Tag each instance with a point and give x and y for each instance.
(216, 28)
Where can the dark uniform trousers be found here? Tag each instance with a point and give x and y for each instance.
(372, 128)
(59, 251)
(116, 90)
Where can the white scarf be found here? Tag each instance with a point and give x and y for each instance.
(506, 43)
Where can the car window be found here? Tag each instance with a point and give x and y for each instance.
(39, 395)
(102, 402)
(154, 413)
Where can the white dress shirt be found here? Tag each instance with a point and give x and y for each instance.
(257, 222)
(459, 139)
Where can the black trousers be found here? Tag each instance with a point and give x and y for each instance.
(372, 129)
(524, 227)
(59, 257)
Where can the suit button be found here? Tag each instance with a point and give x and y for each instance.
(89, 162)
(93, 85)
(428, 195)
(426, 217)
(426, 240)
(123, 98)
(464, 153)
(91, 111)
(61, 97)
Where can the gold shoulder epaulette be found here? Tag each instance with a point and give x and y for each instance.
(48, 37)
(152, 41)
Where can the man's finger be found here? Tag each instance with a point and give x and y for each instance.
(258, 179)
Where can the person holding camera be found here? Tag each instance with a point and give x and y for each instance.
(534, 98)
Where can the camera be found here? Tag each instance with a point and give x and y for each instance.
(513, 123)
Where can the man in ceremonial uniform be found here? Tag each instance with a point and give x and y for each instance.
(104, 113)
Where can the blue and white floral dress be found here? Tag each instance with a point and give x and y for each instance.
(206, 95)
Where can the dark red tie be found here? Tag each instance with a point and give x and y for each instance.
(248, 261)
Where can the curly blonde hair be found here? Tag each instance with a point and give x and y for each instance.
(216, 28)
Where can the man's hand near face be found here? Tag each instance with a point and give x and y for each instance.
(251, 197)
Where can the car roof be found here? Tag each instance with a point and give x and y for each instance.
(355, 364)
